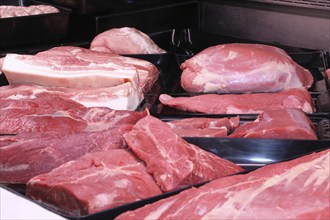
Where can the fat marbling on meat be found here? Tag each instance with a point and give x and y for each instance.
(173, 162)
(278, 124)
(54, 113)
(125, 40)
(254, 103)
(94, 182)
(243, 68)
(296, 189)
(30, 154)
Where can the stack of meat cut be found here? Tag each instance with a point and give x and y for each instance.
(241, 78)
(109, 178)
(82, 73)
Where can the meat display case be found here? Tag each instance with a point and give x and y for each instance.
(185, 27)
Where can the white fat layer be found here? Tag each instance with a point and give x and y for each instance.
(18, 167)
(245, 197)
(18, 71)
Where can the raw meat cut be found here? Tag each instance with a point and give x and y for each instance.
(121, 97)
(94, 182)
(76, 67)
(296, 189)
(278, 124)
(29, 154)
(125, 40)
(241, 103)
(53, 113)
(243, 68)
(7, 11)
(173, 162)
(204, 127)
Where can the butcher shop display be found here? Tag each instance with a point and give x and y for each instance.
(204, 127)
(76, 67)
(243, 68)
(173, 162)
(8, 11)
(45, 151)
(278, 124)
(121, 97)
(241, 103)
(125, 40)
(296, 189)
(54, 113)
(94, 182)
(164, 109)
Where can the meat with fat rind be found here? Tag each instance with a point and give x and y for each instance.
(241, 103)
(94, 182)
(121, 97)
(278, 124)
(125, 40)
(243, 68)
(296, 189)
(76, 67)
(173, 162)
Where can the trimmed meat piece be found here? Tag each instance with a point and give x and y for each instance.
(204, 127)
(241, 103)
(172, 161)
(30, 154)
(53, 113)
(94, 182)
(296, 189)
(243, 68)
(125, 40)
(278, 124)
(76, 67)
(7, 11)
(121, 97)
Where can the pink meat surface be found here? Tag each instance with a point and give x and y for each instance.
(296, 189)
(121, 97)
(53, 113)
(173, 162)
(204, 127)
(125, 40)
(94, 182)
(278, 124)
(7, 11)
(243, 68)
(30, 154)
(76, 67)
(241, 103)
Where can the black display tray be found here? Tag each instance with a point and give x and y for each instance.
(15, 31)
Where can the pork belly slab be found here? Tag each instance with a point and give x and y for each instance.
(173, 162)
(241, 103)
(76, 67)
(278, 124)
(204, 127)
(243, 68)
(121, 97)
(29, 154)
(54, 113)
(125, 40)
(94, 182)
(296, 189)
